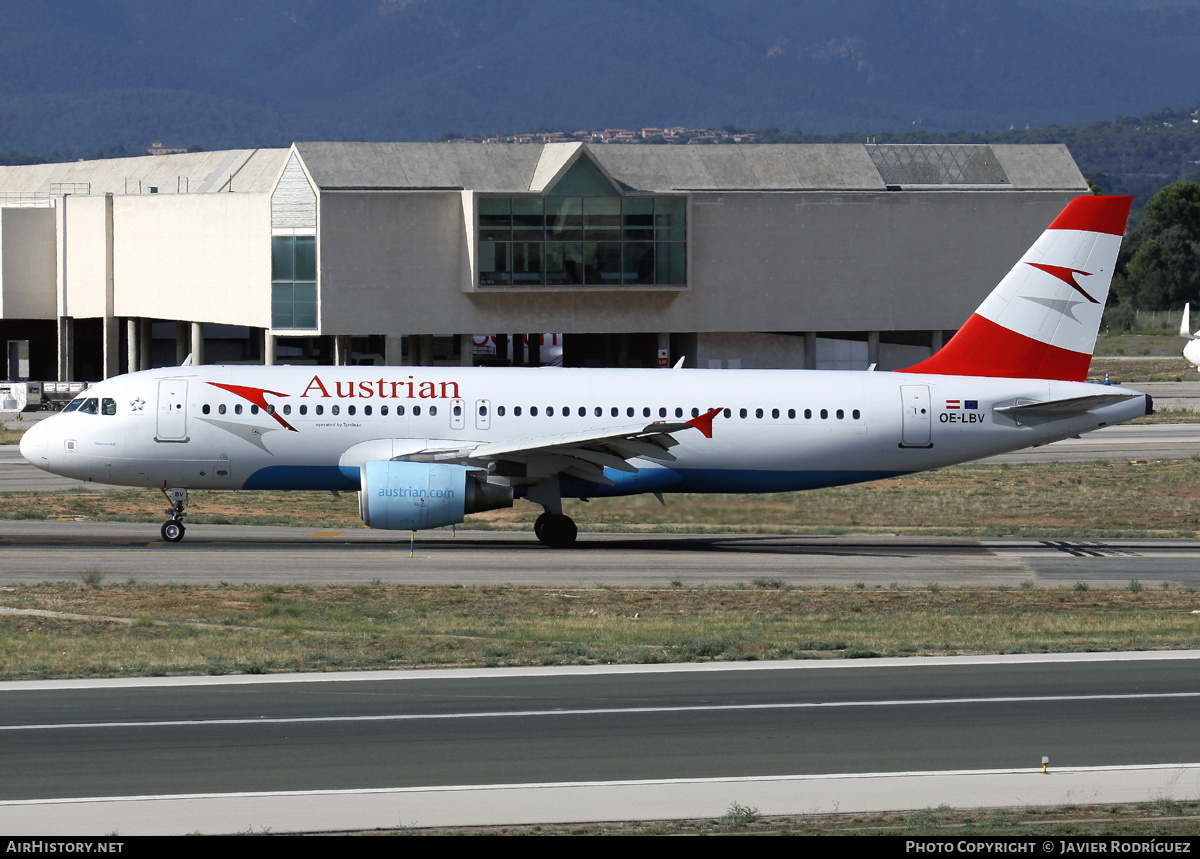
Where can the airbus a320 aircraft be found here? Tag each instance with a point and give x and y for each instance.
(425, 446)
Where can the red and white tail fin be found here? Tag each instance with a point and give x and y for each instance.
(1041, 321)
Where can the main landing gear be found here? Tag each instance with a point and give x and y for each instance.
(555, 530)
(173, 531)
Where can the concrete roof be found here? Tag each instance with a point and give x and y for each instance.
(523, 167)
(249, 170)
(747, 167)
(382, 166)
(1038, 167)
(520, 168)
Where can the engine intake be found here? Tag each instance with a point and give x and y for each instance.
(404, 496)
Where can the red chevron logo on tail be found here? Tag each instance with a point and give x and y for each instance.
(1067, 276)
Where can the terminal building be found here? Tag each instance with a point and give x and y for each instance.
(751, 256)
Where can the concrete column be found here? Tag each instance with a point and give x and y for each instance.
(341, 355)
(518, 346)
(426, 341)
(466, 343)
(501, 347)
(111, 359)
(183, 342)
(131, 345)
(393, 350)
(66, 349)
(535, 350)
(145, 342)
(935, 340)
(872, 347)
(197, 343)
(112, 347)
(810, 350)
(268, 348)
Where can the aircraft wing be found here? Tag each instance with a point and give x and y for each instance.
(582, 455)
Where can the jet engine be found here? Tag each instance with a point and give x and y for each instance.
(401, 496)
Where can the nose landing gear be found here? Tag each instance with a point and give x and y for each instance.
(173, 531)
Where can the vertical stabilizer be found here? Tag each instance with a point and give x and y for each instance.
(1041, 320)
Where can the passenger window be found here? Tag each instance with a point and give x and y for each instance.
(206, 408)
(775, 413)
(432, 410)
(304, 410)
(856, 414)
(583, 411)
(270, 409)
(457, 411)
(758, 413)
(742, 413)
(254, 410)
(824, 414)
(516, 411)
(383, 410)
(615, 411)
(549, 411)
(287, 410)
(350, 410)
(108, 406)
(662, 412)
(499, 411)
(646, 412)
(695, 413)
(237, 409)
(599, 411)
(629, 412)
(678, 412)
(808, 414)
(335, 410)
(791, 414)
(840, 414)
(417, 411)
(319, 410)
(532, 411)
(728, 413)
(367, 411)
(221, 409)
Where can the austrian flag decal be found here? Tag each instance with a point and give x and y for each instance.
(962, 404)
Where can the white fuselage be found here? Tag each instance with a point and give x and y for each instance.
(200, 427)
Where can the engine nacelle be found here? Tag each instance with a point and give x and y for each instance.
(410, 496)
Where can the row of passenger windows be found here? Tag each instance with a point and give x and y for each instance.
(534, 411)
(319, 410)
(630, 411)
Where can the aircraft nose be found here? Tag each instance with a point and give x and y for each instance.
(35, 446)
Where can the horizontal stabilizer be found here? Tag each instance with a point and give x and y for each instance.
(1062, 408)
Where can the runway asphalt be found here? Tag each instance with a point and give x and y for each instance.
(506, 746)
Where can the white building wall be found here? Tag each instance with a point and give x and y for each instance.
(195, 257)
(28, 263)
(85, 249)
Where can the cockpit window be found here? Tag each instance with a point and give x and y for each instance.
(108, 406)
(73, 405)
(91, 406)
